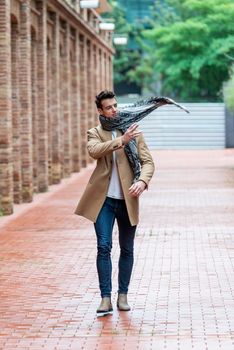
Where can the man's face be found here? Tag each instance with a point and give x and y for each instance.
(109, 108)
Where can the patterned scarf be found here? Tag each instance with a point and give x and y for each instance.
(132, 114)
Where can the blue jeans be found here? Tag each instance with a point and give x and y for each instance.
(114, 209)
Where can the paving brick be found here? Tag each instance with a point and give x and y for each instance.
(182, 285)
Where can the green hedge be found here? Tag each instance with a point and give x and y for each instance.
(228, 92)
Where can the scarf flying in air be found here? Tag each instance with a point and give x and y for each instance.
(132, 114)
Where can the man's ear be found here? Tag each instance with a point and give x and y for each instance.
(100, 111)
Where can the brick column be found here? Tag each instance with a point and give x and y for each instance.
(111, 83)
(61, 97)
(6, 181)
(90, 81)
(83, 97)
(108, 84)
(91, 91)
(75, 107)
(49, 117)
(100, 69)
(108, 71)
(95, 86)
(35, 126)
(16, 112)
(25, 102)
(66, 86)
(42, 100)
(105, 70)
(55, 104)
(95, 69)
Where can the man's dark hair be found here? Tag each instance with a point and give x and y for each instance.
(102, 96)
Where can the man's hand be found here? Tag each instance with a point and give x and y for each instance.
(137, 188)
(130, 134)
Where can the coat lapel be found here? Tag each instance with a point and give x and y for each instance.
(104, 134)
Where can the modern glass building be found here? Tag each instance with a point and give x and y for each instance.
(137, 10)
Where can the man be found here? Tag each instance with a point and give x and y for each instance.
(112, 193)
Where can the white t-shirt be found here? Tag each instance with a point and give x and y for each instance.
(115, 188)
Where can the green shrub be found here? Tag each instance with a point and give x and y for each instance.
(228, 92)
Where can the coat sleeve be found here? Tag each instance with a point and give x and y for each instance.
(147, 163)
(98, 148)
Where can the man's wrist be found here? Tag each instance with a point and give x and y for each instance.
(143, 183)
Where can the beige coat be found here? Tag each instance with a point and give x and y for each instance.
(101, 146)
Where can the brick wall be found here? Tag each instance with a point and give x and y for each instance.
(6, 152)
(52, 64)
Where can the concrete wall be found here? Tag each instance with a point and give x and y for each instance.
(229, 127)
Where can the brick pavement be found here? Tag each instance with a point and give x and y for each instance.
(181, 293)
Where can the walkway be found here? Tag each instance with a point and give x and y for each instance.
(182, 290)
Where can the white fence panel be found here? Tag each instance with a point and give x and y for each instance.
(171, 128)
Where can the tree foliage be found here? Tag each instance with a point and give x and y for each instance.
(187, 49)
(229, 92)
(125, 58)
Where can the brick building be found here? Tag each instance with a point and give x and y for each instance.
(53, 60)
